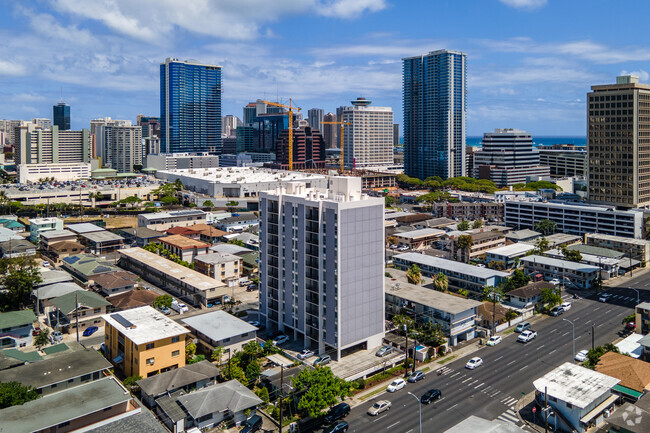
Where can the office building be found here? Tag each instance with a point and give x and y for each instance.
(315, 117)
(574, 219)
(190, 107)
(507, 157)
(617, 145)
(150, 125)
(308, 149)
(250, 113)
(395, 134)
(230, 124)
(119, 147)
(61, 116)
(330, 132)
(245, 139)
(62, 172)
(322, 265)
(368, 140)
(435, 103)
(173, 161)
(42, 123)
(51, 146)
(564, 163)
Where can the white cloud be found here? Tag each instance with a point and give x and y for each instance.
(348, 8)
(643, 75)
(26, 97)
(11, 68)
(396, 50)
(524, 4)
(46, 25)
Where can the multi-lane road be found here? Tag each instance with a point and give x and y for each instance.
(491, 391)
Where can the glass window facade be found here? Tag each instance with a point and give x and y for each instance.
(61, 116)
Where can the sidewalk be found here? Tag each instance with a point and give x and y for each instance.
(619, 281)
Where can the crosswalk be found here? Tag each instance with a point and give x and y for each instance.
(509, 416)
(624, 298)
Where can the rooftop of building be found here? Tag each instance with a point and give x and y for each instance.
(633, 373)
(143, 232)
(207, 230)
(420, 233)
(117, 279)
(231, 396)
(239, 218)
(88, 264)
(42, 221)
(451, 265)
(66, 246)
(531, 290)
(10, 319)
(575, 384)
(235, 175)
(523, 234)
(589, 258)
(183, 242)
(558, 238)
(66, 405)
(217, 258)
(55, 369)
(51, 276)
(219, 325)
(132, 299)
(564, 264)
(144, 324)
(53, 234)
(596, 251)
(178, 378)
(55, 290)
(612, 238)
(140, 422)
(103, 236)
(474, 423)
(81, 298)
(81, 228)
(184, 231)
(437, 222)
(172, 214)
(15, 245)
(342, 189)
(229, 248)
(397, 285)
(511, 250)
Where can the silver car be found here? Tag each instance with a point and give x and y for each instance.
(379, 407)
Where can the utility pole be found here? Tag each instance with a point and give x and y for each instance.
(573, 330)
(281, 393)
(406, 351)
(76, 313)
(546, 409)
(593, 336)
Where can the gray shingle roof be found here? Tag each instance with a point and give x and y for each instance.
(142, 422)
(232, 396)
(84, 298)
(178, 378)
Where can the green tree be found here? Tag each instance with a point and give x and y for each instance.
(18, 276)
(499, 265)
(464, 243)
(389, 201)
(208, 203)
(190, 351)
(431, 334)
(546, 227)
(571, 255)
(413, 275)
(217, 354)
(494, 295)
(511, 314)
(441, 282)
(14, 394)
(322, 390)
(463, 225)
(42, 338)
(252, 372)
(477, 224)
(541, 245)
(169, 200)
(231, 205)
(519, 278)
(197, 358)
(263, 394)
(594, 355)
(236, 242)
(131, 381)
(163, 301)
(401, 319)
(628, 319)
(178, 185)
(550, 298)
(234, 372)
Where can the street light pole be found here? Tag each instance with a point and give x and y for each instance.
(420, 403)
(638, 296)
(573, 330)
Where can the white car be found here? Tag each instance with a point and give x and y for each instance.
(473, 363)
(494, 340)
(396, 385)
(306, 353)
(555, 282)
(527, 336)
(181, 308)
(581, 356)
(280, 339)
(604, 297)
(379, 407)
(566, 306)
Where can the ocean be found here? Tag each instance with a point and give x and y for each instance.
(538, 141)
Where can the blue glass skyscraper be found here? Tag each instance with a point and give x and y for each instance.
(61, 116)
(190, 107)
(435, 103)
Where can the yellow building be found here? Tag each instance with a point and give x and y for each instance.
(144, 342)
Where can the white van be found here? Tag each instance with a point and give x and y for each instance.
(180, 307)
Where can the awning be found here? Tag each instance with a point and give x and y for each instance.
(280, 360)
(118, 359)
(627, 391)
(599, 409)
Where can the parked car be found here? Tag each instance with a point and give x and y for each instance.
(430, 395)
(523, 326)
(556, 311)
(337, 412)
(36, 331)
(581, 356)
(416, 376)
(473, 363)
(322, 360)
(339, 427)
(280, 339)
(306, 353)
(403, 248)
(56, 337)
(566, 306)
(255, 323)
(555, 282)
(90, 331)
(630, 326)
(166, 311)
(252, 424)
(494, 340)
(179, 307)
(527, 336)
(379, 407)
(396, 385)
(604, 297)
(393, 247)
(385, 350)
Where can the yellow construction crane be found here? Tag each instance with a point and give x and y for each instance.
(290, 107)
(343, 124)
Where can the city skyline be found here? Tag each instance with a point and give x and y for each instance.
(530, 62)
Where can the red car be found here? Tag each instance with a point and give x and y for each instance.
(630, 326)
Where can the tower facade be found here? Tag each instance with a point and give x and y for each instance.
(61, 116)
(368, 139)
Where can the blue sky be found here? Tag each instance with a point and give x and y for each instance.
(530, 62)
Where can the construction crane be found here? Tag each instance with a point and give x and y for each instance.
(290, 107)
(343, 125)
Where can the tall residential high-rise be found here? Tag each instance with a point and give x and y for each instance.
(250, 113)
(618, 143)
(104, 121)
(322, 265)
(368, 140)
(61, 116)
(42, 123)
(331, 132)
(395, 134)
(150, 125)
(507, 157)
(50, 146)
(190, 107)
(119, 147)
(315, 118)
(435, 103)
(230, 124)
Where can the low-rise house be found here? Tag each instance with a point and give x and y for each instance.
(185, 248)
(140, 236)
(7, 234)
(638, 249)
(49, 238)
(645, 351)
(481, 242)
(16, 328)
(491, 315)
(219, 328)
(188, 232)
(162, 221)
(251, 263)
(40, 225)
(577, 395)
(277, 377)
(609, 267)
(45, 294)
(113, 283)
(418, 239)
(577, 275)
(52, 276)
(434, 223)
(523, 235)
(11, 224)
(61, 250)
(529, 295)
(82, 306)
(630, 418)
(509, 254)
(208, 233)
(83, 267)
(238, 223)
(101, 242)
(131, 299)
(230, 402)
(144, 342)
(81, 407)
(249, 240)
(82, 228)
(187, 378)
(17, 248)
(62, 371)
(222, 266)
(634, 374)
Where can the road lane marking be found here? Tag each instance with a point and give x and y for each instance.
(539, 347)
(393, 425)
(467, 380)
(453, 406)
(578, 336)
(554, 350)
(512, 362)
(587, 321)
(566, 333)
(479, 385)
(499, 357)
(523, 367)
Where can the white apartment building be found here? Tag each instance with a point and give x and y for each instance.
(322, 265)
(51, 146)
(368, 141)
(40, 225)
(162, 221)
(31, 173)
(119, 147)
(173, 161)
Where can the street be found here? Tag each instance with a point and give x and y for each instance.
(491, 391)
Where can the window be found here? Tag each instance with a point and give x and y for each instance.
(64, 424)
(149, 346)
(175, 353)
(97, 310)
(151, 361)
(108, 408)
(53, 385)
(175, 339)
(85, 377)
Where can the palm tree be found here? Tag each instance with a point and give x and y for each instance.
(414, 275)
(494, 295)
(441, 282)
(464, 243)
